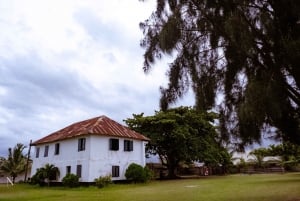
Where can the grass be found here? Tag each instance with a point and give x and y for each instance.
(264, 187)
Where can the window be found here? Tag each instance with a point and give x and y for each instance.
(68, 170)
(115, 171)
(78, 171)
(128, 145)
(81, 144)
(114, 144)
(37, 152)
(56, 151)
(46, 150)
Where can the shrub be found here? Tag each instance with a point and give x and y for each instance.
(149, 173)
(103, 181)
(71, 180)
(38, 178)
(137, 173)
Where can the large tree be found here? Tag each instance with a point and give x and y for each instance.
(248, 51)
(15, 162)
(180, 135)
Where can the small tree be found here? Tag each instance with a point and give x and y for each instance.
(45, 174)
(258, 156)
(15, 163)
(38, 177)
(50, 172)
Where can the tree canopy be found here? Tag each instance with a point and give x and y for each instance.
(180, 135)
(289, 154)
(247, 52)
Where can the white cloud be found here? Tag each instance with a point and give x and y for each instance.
(63, 61)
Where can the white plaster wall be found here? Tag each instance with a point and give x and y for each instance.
(97, 160)
(68, 156)
(102, 159)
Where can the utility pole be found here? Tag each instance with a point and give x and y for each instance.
(27, 162)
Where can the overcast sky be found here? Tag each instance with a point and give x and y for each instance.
(63, 61)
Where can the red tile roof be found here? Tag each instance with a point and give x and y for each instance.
(102, 126)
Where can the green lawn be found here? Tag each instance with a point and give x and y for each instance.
(269, 187)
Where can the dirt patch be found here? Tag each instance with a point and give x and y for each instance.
(194, 186)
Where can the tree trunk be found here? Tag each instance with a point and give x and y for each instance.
(47, 181)
(171, 173)
(171, 168)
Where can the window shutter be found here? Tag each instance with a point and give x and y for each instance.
(78, 144)
(114, 144)
(130, 145)
(78, 171)
(46, 151)
(82, 144)
(56, 152)
(125, 145)
(110, 144)
(37, 153)
(115, 171)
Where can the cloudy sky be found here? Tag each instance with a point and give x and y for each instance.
(63, 61)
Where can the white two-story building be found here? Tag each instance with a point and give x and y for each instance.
(95, 147)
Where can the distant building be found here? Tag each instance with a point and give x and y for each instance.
(19, 178)
(95, 147)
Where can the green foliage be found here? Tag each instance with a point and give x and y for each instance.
(149, 173)
(259, 155)
(103, 181)
(242, 163)
(38, 178)
(137, 173)
(248, 51)
(289, 152)
(45, 175)
(179, 134)
(15, 162)
(71, 180)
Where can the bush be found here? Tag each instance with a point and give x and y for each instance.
(149, 173)
(103, 181)
(38, 178)
(71, 180)
(138, 174)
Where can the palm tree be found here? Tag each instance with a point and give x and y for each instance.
(258, 156)
(15, 163)
(49, 172)
(1, 162)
